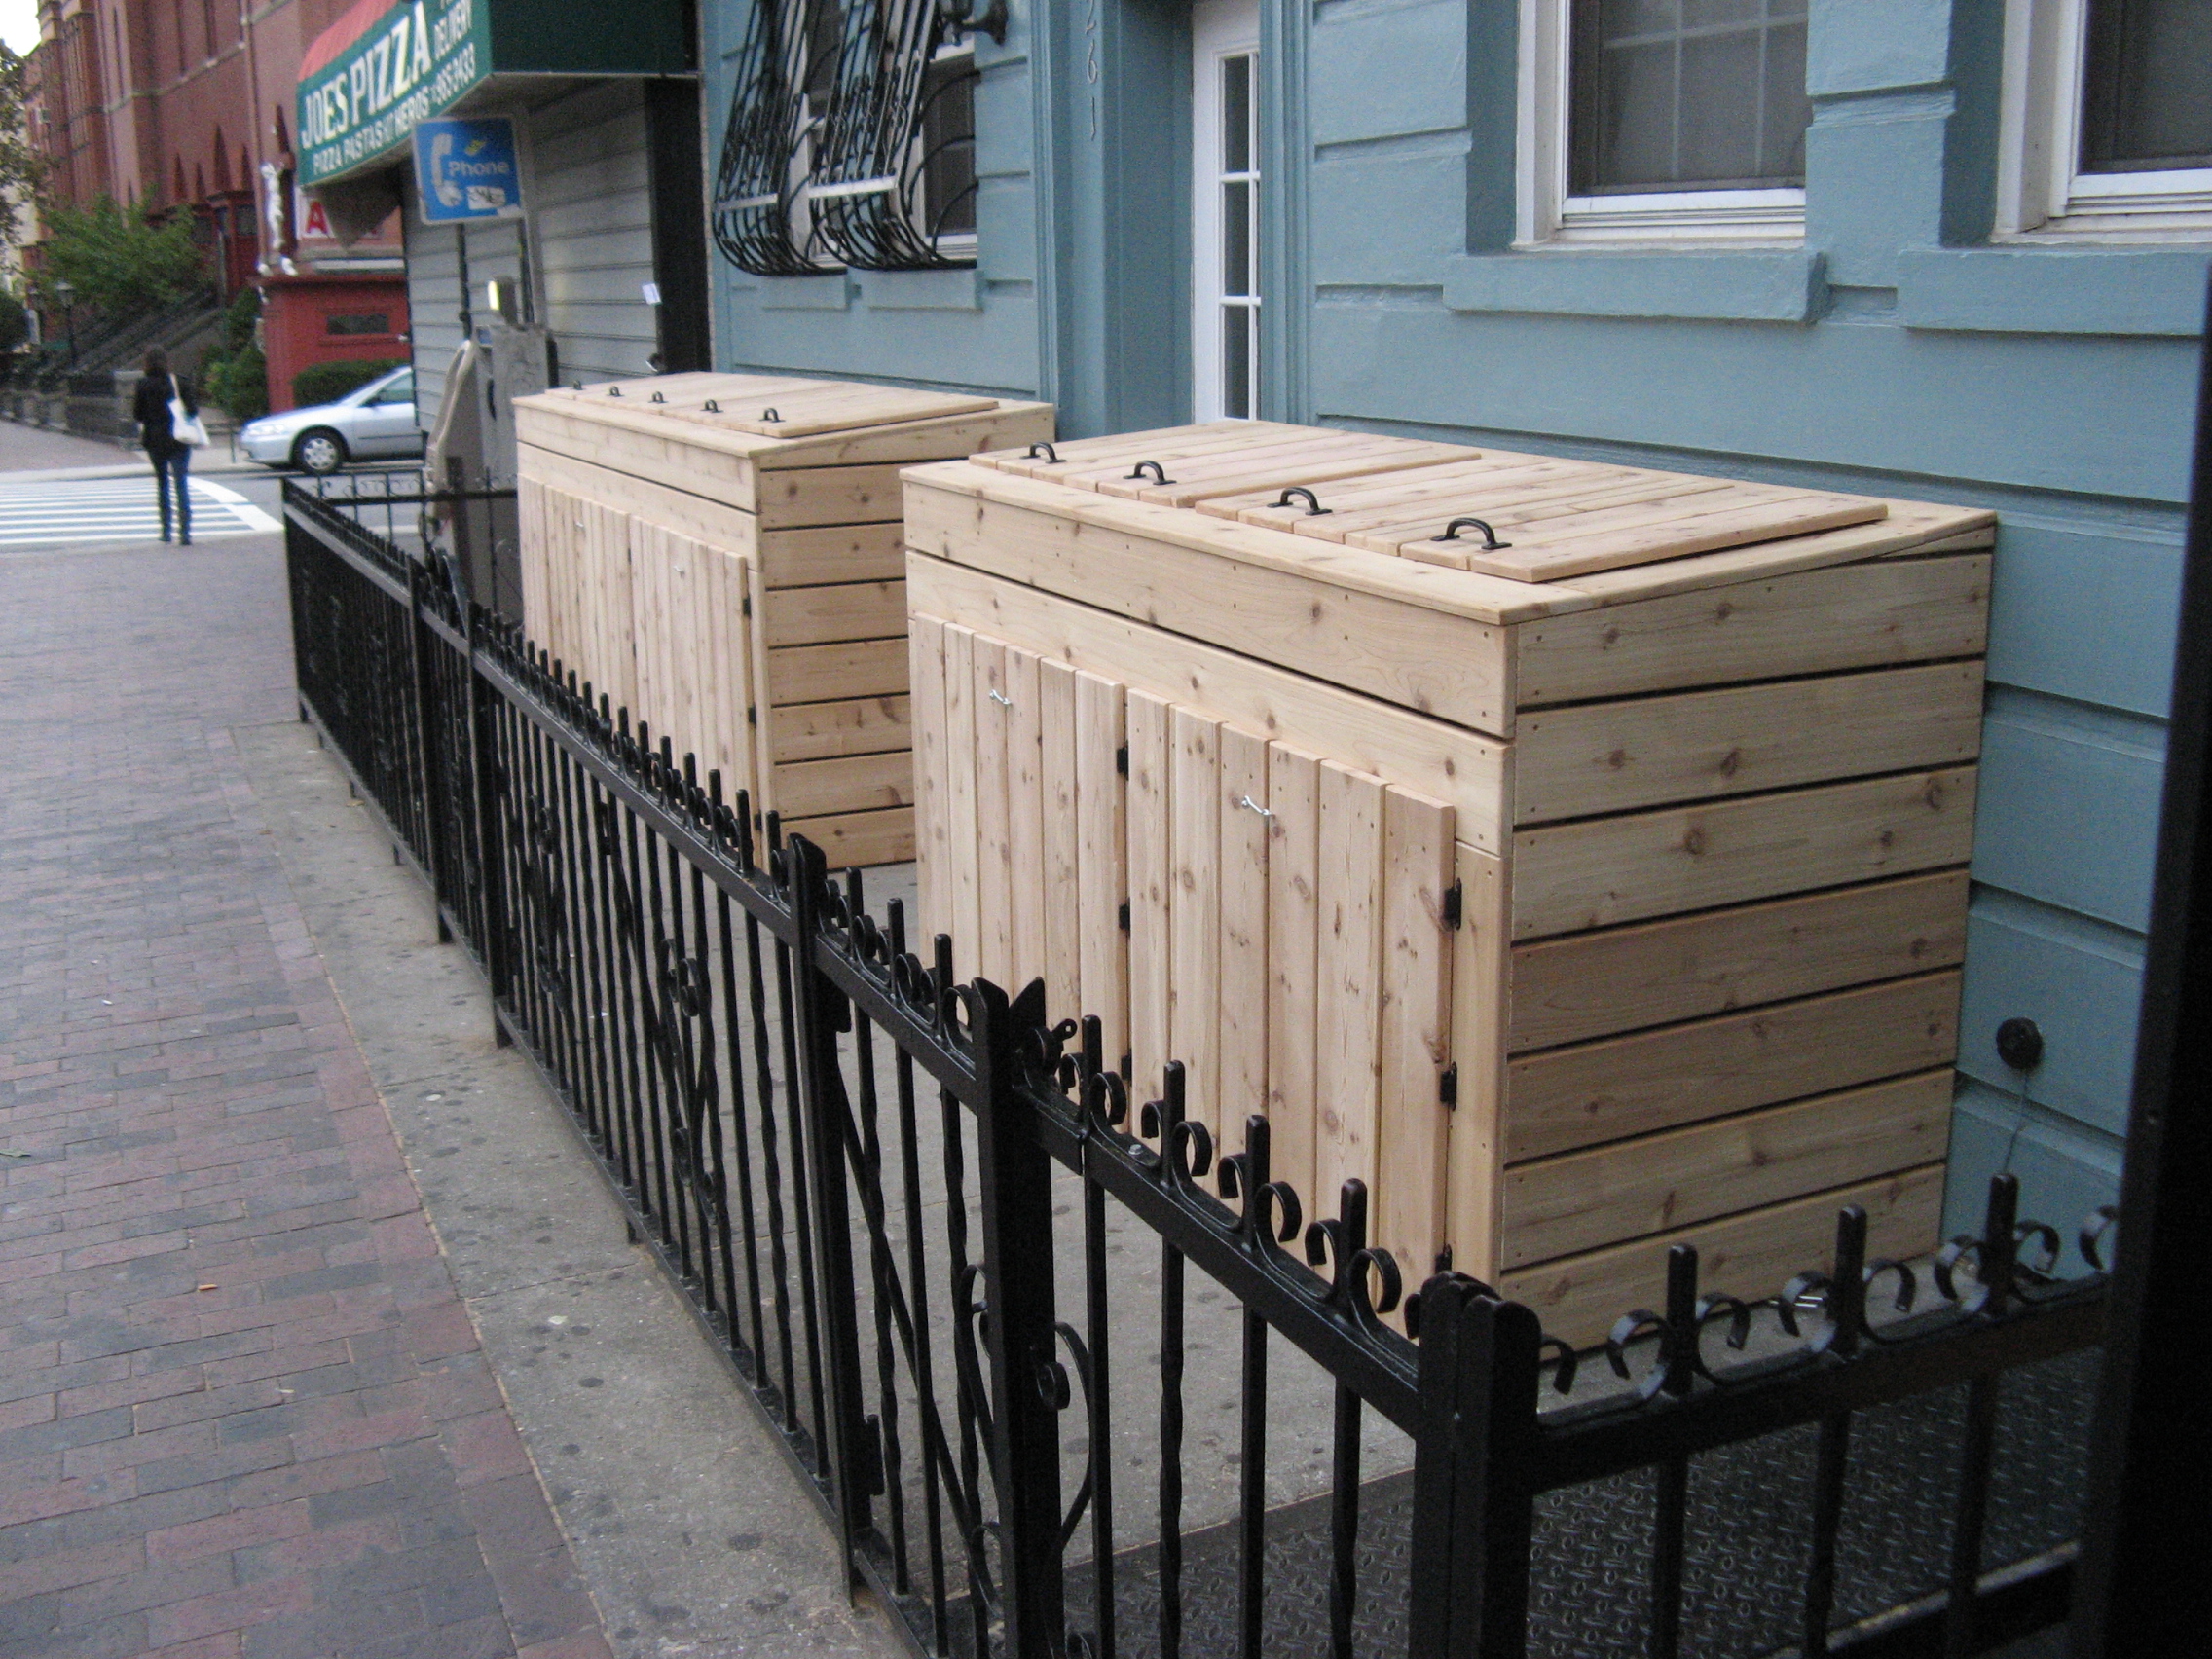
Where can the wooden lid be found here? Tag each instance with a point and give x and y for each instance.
(1527, 518)
(1184, 467)
(772, 406)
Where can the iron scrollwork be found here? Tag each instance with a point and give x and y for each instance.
(850, 137)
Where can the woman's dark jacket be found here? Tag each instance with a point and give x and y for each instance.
(150, 408)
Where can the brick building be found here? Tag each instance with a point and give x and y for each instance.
(186, 105)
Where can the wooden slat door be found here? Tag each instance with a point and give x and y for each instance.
(1020, 820)
(531, 528)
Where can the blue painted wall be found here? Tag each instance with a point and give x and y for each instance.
(1898, 351)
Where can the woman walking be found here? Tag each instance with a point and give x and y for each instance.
(170, 455)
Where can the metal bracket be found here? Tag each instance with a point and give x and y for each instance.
(1122, 759)
(1447, 1086)
(991, 20)
(1125, 915)
(1455, 905)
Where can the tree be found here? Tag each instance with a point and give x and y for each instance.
(118, 260)
(235, 375)
(22, 169)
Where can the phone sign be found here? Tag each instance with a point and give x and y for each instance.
(465, 170)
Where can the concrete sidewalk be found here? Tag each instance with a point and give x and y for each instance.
(243, 1410)
(32, 455)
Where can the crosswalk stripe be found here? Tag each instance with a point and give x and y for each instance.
(122, 510)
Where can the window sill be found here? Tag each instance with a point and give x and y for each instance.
(923, 290)
(2055, 288)
(1698, 282)
(831, 292)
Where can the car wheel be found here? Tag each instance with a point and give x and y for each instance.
(319, 452)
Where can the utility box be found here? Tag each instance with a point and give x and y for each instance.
(721, 556)
(1575, 854)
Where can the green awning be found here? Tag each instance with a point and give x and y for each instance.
(386, 64)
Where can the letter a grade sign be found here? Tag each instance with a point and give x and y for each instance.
(465, 170)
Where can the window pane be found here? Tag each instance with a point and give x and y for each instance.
(825, 25)
(1788, 111)
(1237, 362)
(1237, 115)
(1719, 104)
(2148, 91)
(1688, 94)
(1236, 238)
(948, 146)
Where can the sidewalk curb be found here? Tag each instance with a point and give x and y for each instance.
(143, 468)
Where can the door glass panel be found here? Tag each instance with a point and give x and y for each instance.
(1235, 113)
(1236, 364)
(1235, 240)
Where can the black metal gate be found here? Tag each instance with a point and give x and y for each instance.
(980, 1292)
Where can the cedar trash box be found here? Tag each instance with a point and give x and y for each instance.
(719, 554)
(1574, 853)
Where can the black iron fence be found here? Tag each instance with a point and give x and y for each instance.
(1068, 1377)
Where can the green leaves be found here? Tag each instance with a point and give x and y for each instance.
(119, 261)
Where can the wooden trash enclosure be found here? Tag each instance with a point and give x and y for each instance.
(719, 554)
(1586, 893)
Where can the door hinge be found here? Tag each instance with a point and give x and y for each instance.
(1447, 1086)
(1455, 905)
(1125, 915)
(752, 713)
(748, 605)
(1122, 759)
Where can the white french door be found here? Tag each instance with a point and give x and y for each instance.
(1225, 209)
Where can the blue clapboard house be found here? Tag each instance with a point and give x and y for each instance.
(1946, 250)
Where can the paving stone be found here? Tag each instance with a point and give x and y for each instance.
(227, 1335)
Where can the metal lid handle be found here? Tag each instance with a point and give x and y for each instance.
(1490, 542)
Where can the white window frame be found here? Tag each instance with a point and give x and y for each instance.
(1219, 29)
(2041, 195)
(1548, 218)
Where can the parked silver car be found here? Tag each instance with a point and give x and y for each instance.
(369, 422)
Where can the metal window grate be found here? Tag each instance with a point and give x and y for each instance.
(851, 140)
(784, 71)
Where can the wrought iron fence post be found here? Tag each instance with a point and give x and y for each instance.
(420, 643)
(821, 1012)
(1029, 1387)
(1474, 1505)
(484, 773)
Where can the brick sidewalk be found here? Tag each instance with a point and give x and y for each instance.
(243, 1410)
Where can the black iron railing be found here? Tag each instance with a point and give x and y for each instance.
(978, 1291)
